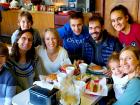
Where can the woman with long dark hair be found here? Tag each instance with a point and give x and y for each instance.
(122, 22)
(23, 60)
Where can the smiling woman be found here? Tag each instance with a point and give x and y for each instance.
(130, 62)
(23, 61)
(51, 54)
(123, 23)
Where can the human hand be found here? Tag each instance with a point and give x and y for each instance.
(77, 62)
(107, 73)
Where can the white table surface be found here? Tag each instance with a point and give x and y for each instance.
(23, 98)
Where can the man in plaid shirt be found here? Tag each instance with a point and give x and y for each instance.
(100, 45)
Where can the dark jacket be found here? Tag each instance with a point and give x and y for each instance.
(98, 53)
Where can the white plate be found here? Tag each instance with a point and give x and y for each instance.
(97, 71)
(93, 93)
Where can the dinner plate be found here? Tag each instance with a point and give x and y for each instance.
(98, 71)
(99, 93)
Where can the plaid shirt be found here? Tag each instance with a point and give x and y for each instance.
(98, 53)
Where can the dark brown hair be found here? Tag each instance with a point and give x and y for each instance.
(114, 57)
(124, 10)
(4, 50)
(15, 49)
(97, 18)
(133, 49)
(26, 14)
(76, 15)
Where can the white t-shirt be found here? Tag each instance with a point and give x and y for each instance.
(119, 85)
(47, 65)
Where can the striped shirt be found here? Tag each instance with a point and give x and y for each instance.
(25, 74)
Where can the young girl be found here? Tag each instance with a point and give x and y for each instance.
(117, 75)
(122, 22)
(51, 54)
(7, 82)
(24, 61)
(25, 21)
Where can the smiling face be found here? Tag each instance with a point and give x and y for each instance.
(119, 20)
(95, 29)
(25, 41)
(76, 25)
(128, 61)
(115, 67)
(2, 60)
(24, 23)
(51, 40)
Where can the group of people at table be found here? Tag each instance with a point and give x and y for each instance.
(31, 55)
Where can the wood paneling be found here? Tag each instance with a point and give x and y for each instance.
(99, 8)
(42, 20)
(139, 13)
(9, 22)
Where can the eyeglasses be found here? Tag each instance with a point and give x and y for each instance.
(95, 28)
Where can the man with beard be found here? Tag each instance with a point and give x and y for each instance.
(100, 45)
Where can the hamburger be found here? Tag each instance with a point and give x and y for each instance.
(95, 67)
(51, 77)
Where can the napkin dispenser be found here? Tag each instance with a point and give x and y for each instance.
(42, 96)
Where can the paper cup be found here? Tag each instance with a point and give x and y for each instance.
(83, 67)
(80, 84)
(61, 77)
(70, 70)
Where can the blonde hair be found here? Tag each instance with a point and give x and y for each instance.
(113, 57)
(133, 49)
(136, 51)
(54, 31)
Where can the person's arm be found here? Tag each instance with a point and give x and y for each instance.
(14, 36)
(37, 38)
(137, 34)
(65, 58)
(10, 90)
(63, 31)
(131, 94)
(39, 67)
